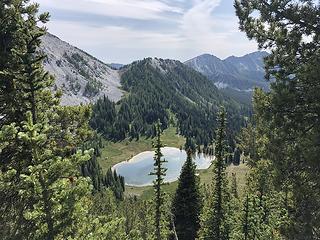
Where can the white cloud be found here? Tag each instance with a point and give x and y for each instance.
(101, 41)
(198, 30)
(206, 31)
(118, 37)
(135, 9)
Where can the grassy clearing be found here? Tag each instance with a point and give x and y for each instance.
(114, 153)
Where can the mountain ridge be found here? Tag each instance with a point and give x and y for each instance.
(239, 73)
(170, 91)
(81, 77)
(84, 78)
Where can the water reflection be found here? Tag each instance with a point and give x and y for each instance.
(136, 170)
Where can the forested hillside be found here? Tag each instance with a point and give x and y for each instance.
(170, 91)
(51, 184)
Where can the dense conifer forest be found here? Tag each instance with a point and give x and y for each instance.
(51, 184)
(172, 92)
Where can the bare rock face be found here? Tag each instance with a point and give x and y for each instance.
(81, 77)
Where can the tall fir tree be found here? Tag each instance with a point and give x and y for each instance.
(215, 223)
(42, 192)
(287, 117)
(159, 172)
(187, 202)
(23, 79)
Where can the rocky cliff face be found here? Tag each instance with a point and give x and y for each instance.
(80, 76)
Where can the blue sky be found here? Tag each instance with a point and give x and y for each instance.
(127, 30)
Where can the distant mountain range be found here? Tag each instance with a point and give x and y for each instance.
(154, 89)
(238, 73)
(83, 78)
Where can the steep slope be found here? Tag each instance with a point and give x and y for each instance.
(161, 89)
(237, 73)
(81, 77)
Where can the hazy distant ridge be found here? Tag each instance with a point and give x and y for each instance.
(239, 73)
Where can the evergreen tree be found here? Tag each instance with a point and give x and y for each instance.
(216, 216)
(287, 117)
(249, 219)
(234, 187)
(236, 156)
(247, 143)
(263, 214)
(159, 172)
(52, 184)
(22, 75)
(190, 144)
(42, 193)
(186, 205)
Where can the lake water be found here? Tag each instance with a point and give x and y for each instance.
(136, 171)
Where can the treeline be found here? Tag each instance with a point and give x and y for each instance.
(166, 92)
(108, 121)
(92, 169)
(44, 195)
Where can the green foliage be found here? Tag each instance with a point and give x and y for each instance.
(287, 118)
(154, 93)
(92, 88)
(42, 192)
(247, 143)
(190, 144)
(263, 214)
(47, 176)
(159, 198)
(103, 118)
(236, 156)
(138, 216)
(217, 213)
(21, 73)
(234, 186)
(187, 202)
(92, 169)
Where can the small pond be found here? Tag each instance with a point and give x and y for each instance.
(136, 170)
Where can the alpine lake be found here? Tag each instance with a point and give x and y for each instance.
(136, 171)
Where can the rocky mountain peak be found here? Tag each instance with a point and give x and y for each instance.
(81, 77)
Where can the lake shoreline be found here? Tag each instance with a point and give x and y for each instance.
(136, 170)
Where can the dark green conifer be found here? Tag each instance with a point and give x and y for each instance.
(216, 216)
(287, 116)
(186, 206)
(159, 172)
(236, 156)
